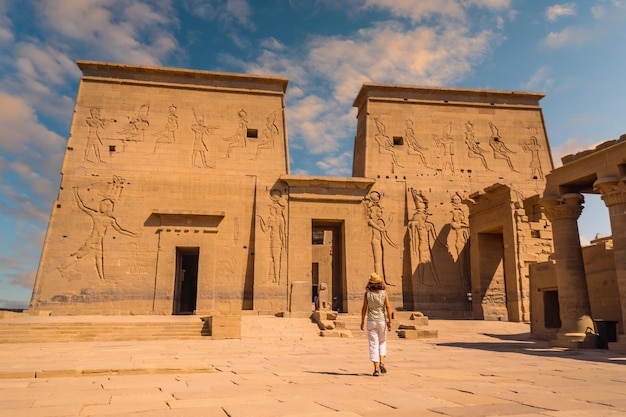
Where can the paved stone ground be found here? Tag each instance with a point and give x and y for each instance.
(473, 369)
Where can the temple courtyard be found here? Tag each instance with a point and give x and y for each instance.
(282, 367)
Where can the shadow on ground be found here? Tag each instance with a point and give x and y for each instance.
(522, 343)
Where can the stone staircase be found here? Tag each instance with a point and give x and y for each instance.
(36, 329)
(99, 328)
(405, 325)
(47, 329)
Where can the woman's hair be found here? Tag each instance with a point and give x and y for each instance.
(375, 287)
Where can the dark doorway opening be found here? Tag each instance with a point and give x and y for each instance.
(315, 281)
(328, 262)
(186, 282)
(551, 310)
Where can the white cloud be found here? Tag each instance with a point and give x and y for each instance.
(337, 165)
(571, 36)
(122, 31)
(227, 12)
(598, 12)
(418, 11)
(386, 53)
(571, 146)
(559, 10)
(421, 10)
(272, 43)
(540, 80)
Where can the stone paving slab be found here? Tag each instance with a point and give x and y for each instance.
(474, 369)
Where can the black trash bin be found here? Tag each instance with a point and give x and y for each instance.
(607, 332)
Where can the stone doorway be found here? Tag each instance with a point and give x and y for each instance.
(186, 281)
(493, 285)
(327, 264)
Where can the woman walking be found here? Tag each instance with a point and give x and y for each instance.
(376, 307)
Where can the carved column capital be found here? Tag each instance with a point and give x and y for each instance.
(613, 190)
(567, 206)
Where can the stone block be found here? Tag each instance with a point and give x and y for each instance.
(407, 334)
(340, 325)
(300, 296)
(326, 324)
(427, 334)
(222, 326)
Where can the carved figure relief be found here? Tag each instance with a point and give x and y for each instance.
(168, 134)
(276, 226)
(102, 218)
(200, 147)
(385, 144)
(270, 133)
(532, 146)
(422, 237)
(500, 150)
(380, 235)
(236, 230)
(446, 144)
(238, 140)
(460, 233)
(473, 148)
(94, 141)
(414, 146)
(137, 125)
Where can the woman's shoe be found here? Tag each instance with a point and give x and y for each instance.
(375, 373)
(383, 370)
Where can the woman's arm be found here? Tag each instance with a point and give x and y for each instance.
(363, 310)
(388, 308)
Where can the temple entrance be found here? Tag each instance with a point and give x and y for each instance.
(327, 263)
(493, 286)
(186, 282)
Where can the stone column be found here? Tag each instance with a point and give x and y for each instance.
(614, 196)
(575, 312)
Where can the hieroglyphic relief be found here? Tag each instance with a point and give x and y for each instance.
(276, 226)
(137, 125)
(94, 141)
(532, 146)
(385, 143)
(500, 150)
(423, 237)
(473, 148)
(380, 234)
(102, 219)
(168, 134)
(415, 148)
(239, 138)
(270, 133)
(200, 148)
(446, 144)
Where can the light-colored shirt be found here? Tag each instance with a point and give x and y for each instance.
(376, 306)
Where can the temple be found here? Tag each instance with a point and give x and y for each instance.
(176, 198)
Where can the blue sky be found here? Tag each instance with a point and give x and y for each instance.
(574, 51)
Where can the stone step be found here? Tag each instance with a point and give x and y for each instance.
(118, 328)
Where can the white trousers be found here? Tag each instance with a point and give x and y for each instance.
(377, 338)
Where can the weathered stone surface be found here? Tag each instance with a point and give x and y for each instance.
(176, 198)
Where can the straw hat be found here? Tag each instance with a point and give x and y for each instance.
(375, 278)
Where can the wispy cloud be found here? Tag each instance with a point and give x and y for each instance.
(540, 80)
(133, 32)
(557, 11)
(571, 36)
(426, 9)
(339, 165)
(229, 13)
